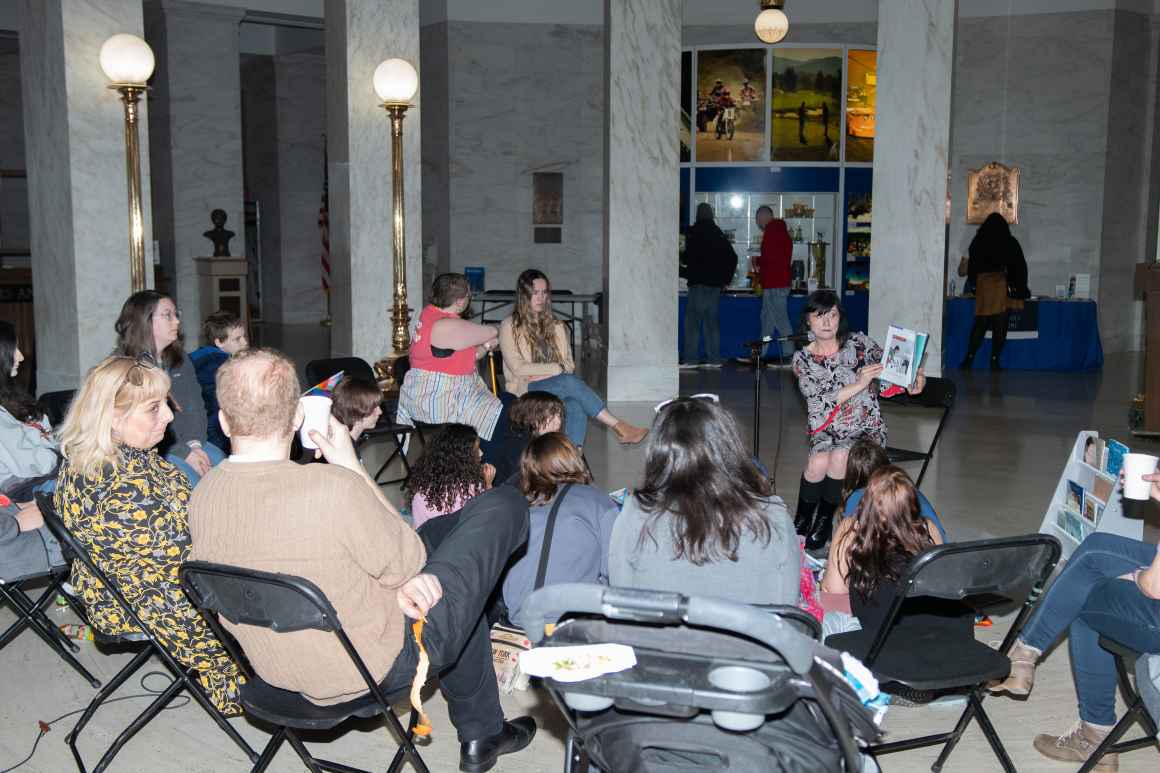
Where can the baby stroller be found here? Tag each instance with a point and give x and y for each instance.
(717, 686)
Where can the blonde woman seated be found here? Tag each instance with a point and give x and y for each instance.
(536, 351)
(127, 506)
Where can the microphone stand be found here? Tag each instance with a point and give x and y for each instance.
(755, 348)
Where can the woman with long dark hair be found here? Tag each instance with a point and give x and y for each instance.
(866, 458)
(704, 519)
(28, 448)
(149, 327)
(998, 270)
(536, 351)
(837, 374)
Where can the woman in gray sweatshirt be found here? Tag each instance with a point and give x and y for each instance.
(150, 327)
(704, 521)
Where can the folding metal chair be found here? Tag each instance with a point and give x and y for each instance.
(982, 574)
(319, 370)
(30, 614)
(938, 393)
(1136, 712)
(183, 679)
(285, 603)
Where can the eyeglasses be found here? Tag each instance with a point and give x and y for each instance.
(169, 316)
(701, 396)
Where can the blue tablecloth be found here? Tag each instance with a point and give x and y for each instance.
(1069, 337)
(741, 319)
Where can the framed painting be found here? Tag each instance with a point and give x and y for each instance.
(731, 105)
(806, 102)
(861, 104)
(993, 188)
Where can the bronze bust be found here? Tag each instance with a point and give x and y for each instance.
(219, 235)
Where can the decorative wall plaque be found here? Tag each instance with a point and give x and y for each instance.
(994, 188)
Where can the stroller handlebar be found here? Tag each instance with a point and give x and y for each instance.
(547, 605)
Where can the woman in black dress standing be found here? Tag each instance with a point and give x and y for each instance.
(998, 271)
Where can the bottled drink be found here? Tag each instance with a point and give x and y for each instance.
(77, 631)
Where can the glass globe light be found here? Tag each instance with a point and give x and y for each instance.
(771, 25)
(127, 59)
(396, 81)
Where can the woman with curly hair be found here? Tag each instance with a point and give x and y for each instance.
(536, 351)
(450, 472)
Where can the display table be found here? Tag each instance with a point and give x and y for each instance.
(741, 319)
(1067, 337)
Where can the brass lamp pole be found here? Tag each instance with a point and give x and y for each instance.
(128, 62)
(396, 82)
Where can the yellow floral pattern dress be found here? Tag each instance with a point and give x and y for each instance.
(133, 521)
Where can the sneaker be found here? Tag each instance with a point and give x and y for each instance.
(710, 366)
(1076, 746)
(688, 366)
(743, 360)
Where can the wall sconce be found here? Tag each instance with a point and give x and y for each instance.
(128, 63)
(771, 24)
(396, 82)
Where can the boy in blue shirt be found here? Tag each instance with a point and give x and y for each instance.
(224, 335)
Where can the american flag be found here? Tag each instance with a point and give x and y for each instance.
(324, 220)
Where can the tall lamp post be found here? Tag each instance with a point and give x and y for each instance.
(128, 62)
(396, 83)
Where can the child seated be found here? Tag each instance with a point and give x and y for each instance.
(535, 413)
(450, 472)
(224, 335)
(867, 457)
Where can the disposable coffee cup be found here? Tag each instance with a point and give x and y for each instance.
(1136, 466)
(317, 410)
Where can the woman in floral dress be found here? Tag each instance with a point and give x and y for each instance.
(837, 374)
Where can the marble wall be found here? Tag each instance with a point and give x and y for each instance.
(13, 192)
(436, 152)
(260, 164)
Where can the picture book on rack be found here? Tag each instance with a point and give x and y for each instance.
(1115, 453)
(902, 351)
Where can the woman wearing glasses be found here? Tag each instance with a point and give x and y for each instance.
(127, 506)
(150, 326)
(704, 521)
(837, 374)
(536, 352)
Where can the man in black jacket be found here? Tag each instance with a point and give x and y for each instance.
(709, 265)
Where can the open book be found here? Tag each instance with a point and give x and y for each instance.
(901, 355)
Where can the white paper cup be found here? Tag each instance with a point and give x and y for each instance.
(317, 409)
(1135, 467)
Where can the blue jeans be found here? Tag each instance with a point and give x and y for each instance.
(1087, 600)
(214, 453)
(775, 317)
(580, 403)
(703, 308)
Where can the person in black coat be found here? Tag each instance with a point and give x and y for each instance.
(710, 262)
(998, 271)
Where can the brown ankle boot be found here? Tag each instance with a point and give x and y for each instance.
(1022, 677)
(1077, 745)
(628, 434)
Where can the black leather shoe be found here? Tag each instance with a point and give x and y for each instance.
(480, 755)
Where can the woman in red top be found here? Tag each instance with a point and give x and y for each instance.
(443, 386)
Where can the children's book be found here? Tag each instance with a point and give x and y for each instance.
(1116, 451)
(902, 353)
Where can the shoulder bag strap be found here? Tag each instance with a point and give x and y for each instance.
(546, 547)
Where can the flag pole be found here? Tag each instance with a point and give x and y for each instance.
(324, 234)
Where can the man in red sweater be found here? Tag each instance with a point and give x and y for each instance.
(774, 269)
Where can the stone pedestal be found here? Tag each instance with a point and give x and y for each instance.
(197, 124)
(222, 285)
(643, 55)
(360, 34)
(77, 193)
(916, 41)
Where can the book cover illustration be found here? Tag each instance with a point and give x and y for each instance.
(901, 355)
(1074, 501)
(1102, 487)
(1092, 509)
(1116, 451)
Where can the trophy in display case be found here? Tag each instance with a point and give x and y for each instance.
(818, 255)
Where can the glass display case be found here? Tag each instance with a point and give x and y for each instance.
(810, 218)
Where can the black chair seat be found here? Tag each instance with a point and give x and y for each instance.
(927, 664)
(283, 707)
(902, 455)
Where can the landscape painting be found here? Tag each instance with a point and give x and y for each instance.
(861, 103)
(806, 104)
(731, 105)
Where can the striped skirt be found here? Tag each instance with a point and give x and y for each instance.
(440, 398)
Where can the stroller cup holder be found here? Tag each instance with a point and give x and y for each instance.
(741, 679)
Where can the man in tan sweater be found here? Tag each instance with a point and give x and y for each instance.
(331, 524)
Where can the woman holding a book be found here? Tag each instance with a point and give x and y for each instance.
(837, 374)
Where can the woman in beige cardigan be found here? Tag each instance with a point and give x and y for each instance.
(536, 351)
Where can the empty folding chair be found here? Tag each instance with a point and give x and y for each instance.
(981, 575)
(30, 614)
(183, 679)
(285, 603)
(939, 393)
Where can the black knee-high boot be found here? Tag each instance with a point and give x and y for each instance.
(823, 525)
(998, 337)
(978, 331)
(808, 495)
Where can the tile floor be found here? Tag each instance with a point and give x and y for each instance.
(993, 475)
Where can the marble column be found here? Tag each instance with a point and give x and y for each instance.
(77, 192)
(359, 35)
(300, 101)
(643, 56)
(916, 41)
(197, 129)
